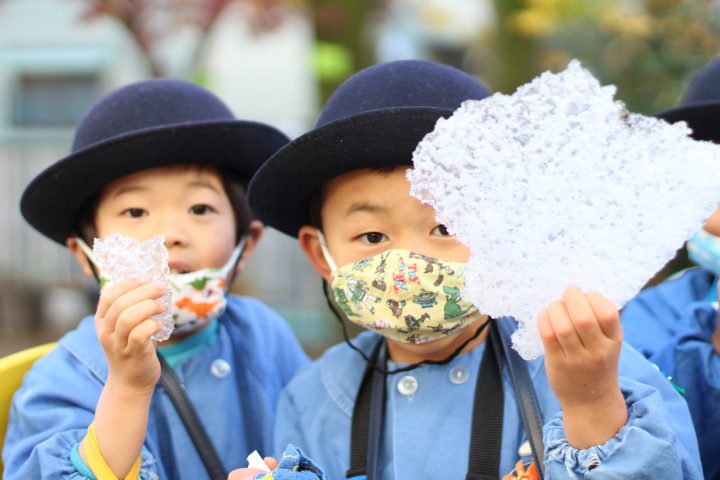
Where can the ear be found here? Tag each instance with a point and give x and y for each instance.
(255, 233)
(310, 244)
(74, 247)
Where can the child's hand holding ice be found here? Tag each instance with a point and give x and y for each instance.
(124, 327)
(582, 338)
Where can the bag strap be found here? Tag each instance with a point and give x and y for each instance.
(189, 417)
(368, 415)
(524, 392)
(487, 419)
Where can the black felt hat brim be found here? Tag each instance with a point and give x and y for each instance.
(52, 202)
(702, 117)
(280, 192)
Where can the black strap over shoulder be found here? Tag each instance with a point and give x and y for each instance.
(189, 417)
(366, 424)
(487, 420)
(524, 392)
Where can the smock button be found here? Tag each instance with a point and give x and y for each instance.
(407, 385)
(459, 375)
(220, 368)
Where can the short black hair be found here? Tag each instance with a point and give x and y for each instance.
(234, 185)
(316, 202)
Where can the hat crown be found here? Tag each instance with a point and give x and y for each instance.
(705, 86)
(398, 84)
(148, 104)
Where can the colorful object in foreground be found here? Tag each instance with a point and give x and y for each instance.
(294, 465)
(559, 185)
(256, 461)
(520, 473)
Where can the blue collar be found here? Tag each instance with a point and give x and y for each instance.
(181, 351)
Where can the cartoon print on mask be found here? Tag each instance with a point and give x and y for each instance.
(447, 330)
(380, 324)
(410, 309)
(362, 264)
(404, 273)
(396, 307)
(359, 296)
(342, 302)
(452, 307)
(425, 299)
(199, 283)
(430, 264)
(413, 323)
(379, 281)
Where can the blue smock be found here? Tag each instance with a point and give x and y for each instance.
(672, 325)
(428, 421)
(234, 383)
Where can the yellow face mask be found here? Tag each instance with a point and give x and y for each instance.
(403, 295)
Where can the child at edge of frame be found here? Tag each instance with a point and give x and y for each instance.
(157, 157)
(674, 324)
(606, 412)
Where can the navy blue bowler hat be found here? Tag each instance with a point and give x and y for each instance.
(375, 119)
(144, 125)
(700, 106)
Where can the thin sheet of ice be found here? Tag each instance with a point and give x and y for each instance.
(559, 185)
(121, 257)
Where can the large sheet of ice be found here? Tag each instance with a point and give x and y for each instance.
(559, 185)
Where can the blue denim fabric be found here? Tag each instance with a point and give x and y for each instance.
(52, 410)
(294, 465)
(427, 434)
(672, 324)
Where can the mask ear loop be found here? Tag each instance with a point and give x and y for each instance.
(326, 251)
(413, 366)
(90, 257)
(229, 270)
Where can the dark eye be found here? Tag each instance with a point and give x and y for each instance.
(200, 209)
(134, 212)
(440, 230)
(373, 238)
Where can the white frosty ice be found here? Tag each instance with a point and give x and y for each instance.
(559, 185)
(121, 257)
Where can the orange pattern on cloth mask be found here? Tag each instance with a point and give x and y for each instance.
(201, 309)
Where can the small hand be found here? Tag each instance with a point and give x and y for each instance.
(124, 328)
(583, 339)
(250, 473)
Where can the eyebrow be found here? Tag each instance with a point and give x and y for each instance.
(364, 207)
(201, 184)
(141, 188)
(128, 189)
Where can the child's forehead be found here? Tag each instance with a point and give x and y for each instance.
(167, 177)
(370, 190)
(171, 174)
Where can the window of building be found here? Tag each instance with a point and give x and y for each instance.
(53, 99)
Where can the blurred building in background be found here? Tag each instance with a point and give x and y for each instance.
(276, 61)
(56, 60)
